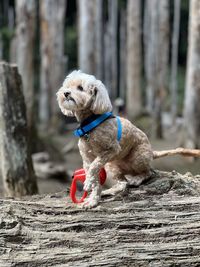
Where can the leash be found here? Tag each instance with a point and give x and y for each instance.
(79, 176)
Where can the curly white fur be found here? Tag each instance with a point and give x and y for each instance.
(82, 95)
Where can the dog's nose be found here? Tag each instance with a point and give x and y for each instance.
(66, 94)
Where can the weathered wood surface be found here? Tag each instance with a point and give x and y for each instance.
(157, 224)
(15, 159)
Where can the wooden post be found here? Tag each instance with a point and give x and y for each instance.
(99, 38)
(174, 59)
(122, 54)
(52, 17)
(15, 165)
(192, 90)
(133, 78)
(25, 36)
(86, 41)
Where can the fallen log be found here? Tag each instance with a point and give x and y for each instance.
(157, 224)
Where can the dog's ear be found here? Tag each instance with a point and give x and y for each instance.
(101, 103)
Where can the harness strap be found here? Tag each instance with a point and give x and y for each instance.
(81, 131)
(119, 129)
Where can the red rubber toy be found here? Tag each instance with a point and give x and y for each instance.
(79, 175)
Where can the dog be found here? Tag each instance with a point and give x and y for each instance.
(113, 143)
(83, 96)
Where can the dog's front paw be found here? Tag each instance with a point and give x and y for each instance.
(88, 185)
(90, 203)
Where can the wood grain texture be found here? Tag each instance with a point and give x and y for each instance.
(157, 224)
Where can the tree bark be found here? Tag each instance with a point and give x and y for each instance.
(163, 59)
(99, 44)
(156, 29)
(154, 225)
(123, 54)
(174, 59)
(192, 94)
(113, 27)
(107, 59)
(25, 36)
(150, 44)
(16, 164)
(52, 16)
(24, 45)
(133, 96)
(86, 44)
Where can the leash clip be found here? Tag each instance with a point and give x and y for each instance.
(87, 137)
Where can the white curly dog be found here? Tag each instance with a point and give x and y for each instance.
(107, 141)
(83, 96)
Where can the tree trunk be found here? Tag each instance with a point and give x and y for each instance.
(107, 59)
(113, 22)
(24, 45)
(154, 225)
(162, 68)
(192, 94)
(156, 30)
(1, 47)
(16, 165)
(150, 44)
(133, 96)
(52, 16)
(174, 59)
(99, 44)
(123, 54)
(86, 44)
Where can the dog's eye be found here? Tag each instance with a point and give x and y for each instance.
(80, 88)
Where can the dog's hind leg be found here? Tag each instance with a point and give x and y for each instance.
(114, 174)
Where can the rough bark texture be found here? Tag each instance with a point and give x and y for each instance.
(86, 44)
(25, 36)
(52, 16)
(16, 165)
(192, 95)
(155, 225)
(133, 96)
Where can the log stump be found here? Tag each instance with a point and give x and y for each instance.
(155, 225)
(15, 159)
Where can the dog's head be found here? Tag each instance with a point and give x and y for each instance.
(81, 92)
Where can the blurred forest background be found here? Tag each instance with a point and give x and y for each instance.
(147, 52)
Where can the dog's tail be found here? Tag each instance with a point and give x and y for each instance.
(178, 151)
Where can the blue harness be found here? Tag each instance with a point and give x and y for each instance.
(98, 119)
